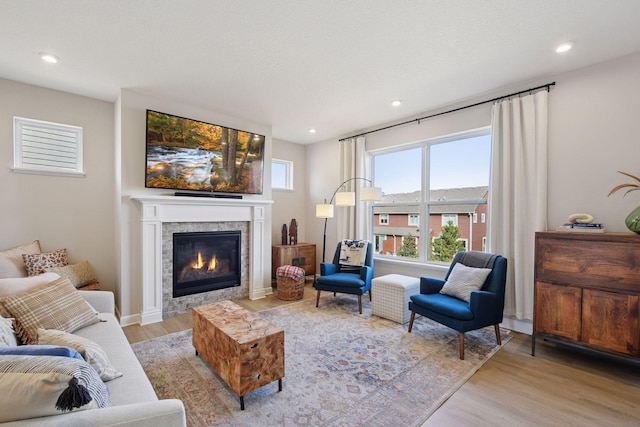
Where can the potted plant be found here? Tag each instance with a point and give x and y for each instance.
(633, 219)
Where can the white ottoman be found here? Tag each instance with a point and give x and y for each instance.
(390, 296)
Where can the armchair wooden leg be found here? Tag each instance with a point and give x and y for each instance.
(360, 303)
(370, 295)
(317, 298)
(497, 327)
(461, 339)
(413, 316)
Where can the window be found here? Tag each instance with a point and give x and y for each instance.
(449, 218)
(384, 219)
(432, 183)
(47, 148)
(281, 174)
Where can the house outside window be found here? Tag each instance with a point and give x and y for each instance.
(428, 184)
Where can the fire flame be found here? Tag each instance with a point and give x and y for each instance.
(200, 263)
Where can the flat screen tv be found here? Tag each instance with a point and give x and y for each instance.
(189, 155)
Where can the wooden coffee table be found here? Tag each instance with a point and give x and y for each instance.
(246, 351)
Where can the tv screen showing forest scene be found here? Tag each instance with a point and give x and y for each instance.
(186, 154)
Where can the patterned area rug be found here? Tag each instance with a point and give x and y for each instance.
(341, 369)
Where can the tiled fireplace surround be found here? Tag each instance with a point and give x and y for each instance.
(161, 216)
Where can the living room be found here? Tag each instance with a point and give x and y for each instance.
(592, 129)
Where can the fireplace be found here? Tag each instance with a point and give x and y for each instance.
(162, 216)
(205, 261)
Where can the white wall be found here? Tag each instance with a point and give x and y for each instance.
(288, 204)
(61, 212)
(131, 120)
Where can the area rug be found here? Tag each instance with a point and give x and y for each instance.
(341, 369)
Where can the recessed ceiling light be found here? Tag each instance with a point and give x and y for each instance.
(47, 57)
(396, 103)
(312, 131)
(564, 47)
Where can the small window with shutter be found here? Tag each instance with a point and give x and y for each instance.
(46, 148)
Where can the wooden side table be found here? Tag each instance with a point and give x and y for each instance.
(246, 351)
(301, 255)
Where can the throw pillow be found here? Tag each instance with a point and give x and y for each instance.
(7, 335)
(90, 350)
(11, 286)
(463, 280)
(40, 350)
(37, 263)
(56, 305)
(79, 274)
(38, 386)
(11, 263)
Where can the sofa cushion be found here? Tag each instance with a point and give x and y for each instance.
(11, 262)
(80, 274)
(56, 305)
(134, 385)
(37, 263)
(37, 386)
(7, 335)
(89, 349)
(40, 350)
(463, 280)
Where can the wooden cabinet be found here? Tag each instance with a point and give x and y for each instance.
(587, 290)
(301, 255)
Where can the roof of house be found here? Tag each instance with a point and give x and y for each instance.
(404, 201)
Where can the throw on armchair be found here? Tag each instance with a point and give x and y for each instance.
(346, 275)
(470, 297)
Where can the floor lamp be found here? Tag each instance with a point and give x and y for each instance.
(345, 198)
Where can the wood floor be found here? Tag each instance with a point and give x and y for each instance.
(557, 387)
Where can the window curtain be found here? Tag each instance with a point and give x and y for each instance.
(518, 197)
(354, 222)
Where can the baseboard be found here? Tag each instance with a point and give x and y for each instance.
(134, 319)
(522, 326)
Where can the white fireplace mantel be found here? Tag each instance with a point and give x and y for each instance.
(159, 209)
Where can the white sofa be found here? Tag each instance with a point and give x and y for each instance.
(133, 400)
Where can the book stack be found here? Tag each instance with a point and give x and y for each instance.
(592, 227)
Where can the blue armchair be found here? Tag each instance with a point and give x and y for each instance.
(484, 308)
(335, 277)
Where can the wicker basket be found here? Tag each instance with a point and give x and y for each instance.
(289, 289)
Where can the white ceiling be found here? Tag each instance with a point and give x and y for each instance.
(334, 65)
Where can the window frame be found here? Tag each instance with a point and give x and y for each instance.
(424, 245)
(415, 222)
(288, 164)
(21, 127)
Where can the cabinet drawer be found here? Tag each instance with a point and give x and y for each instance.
(599, 263)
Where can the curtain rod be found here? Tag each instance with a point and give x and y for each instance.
(547, 86)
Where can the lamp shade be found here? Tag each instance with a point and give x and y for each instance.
(370, 194)
(324, 210)
(346, 198)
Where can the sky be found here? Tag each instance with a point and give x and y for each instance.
(454, 164)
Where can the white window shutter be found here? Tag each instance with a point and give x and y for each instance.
(45, 147)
